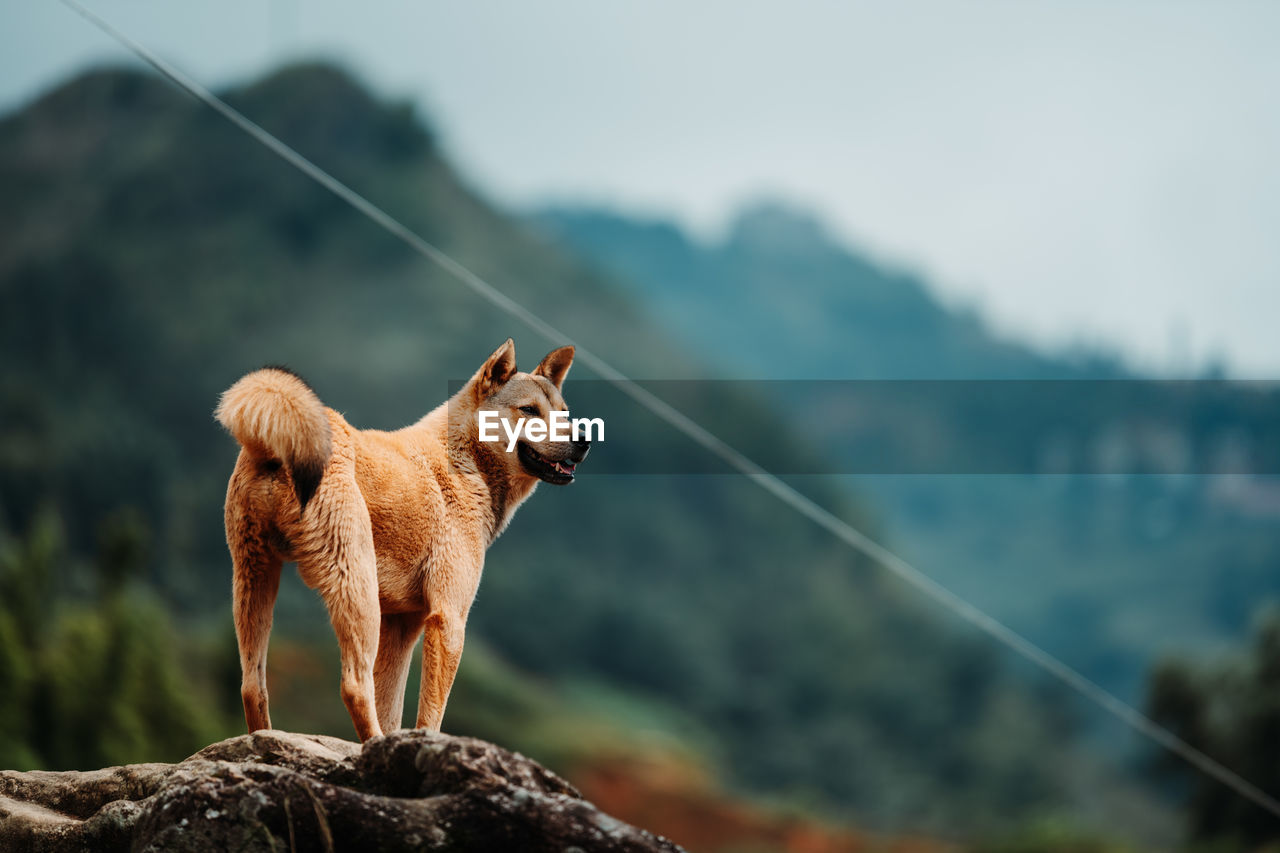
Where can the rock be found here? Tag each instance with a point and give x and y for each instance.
(277, 791)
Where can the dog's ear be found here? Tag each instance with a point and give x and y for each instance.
(556, 365)
(496, 370)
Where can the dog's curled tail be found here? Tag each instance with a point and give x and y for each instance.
(274, 414)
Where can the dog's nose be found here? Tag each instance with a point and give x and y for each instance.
(580, 447)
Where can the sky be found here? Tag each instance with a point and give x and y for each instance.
(1098, 171)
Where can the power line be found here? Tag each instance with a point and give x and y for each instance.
(772, 484)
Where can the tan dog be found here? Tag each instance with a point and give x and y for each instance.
(390, 527)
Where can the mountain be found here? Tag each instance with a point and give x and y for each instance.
(151, 254)
(961, 437)
(811, 308)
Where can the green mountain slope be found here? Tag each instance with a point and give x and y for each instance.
(151, 254)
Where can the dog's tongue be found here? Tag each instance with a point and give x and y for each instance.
(565, 467)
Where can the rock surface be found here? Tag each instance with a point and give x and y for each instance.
(278, 791)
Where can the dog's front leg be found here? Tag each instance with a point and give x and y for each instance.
(441, 654)
(449, 599)
(396, 639)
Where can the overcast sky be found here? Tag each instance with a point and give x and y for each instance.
(1079, 170)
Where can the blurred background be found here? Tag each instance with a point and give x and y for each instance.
(772, 204)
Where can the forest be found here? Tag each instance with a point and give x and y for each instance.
(152, 255)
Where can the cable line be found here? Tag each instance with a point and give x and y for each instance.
(771, 483)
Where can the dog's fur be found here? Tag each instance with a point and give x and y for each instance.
(389, 527)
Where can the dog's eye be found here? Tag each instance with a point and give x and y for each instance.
(530, 410)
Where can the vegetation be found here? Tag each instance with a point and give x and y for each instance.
(1230, 711)
(97, 680)
(825, 312)
(1146, 550)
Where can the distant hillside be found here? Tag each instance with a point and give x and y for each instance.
(811, 308)
(150, 254)
(1111, 573)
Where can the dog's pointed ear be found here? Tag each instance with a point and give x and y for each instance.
(496, 370)
(556, 365)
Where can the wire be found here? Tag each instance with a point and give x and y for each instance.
(837, 526)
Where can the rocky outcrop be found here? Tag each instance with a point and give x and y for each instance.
(277, 791)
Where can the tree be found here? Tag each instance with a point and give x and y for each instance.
(1231, 712)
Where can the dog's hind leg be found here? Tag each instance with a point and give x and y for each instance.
(396, 639)
(342, 566)
(256, 579)
(354, 612)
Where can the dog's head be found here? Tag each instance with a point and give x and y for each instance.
(504, 400)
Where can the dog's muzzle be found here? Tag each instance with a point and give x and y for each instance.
(559, 472)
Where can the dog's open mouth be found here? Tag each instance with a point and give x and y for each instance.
(559, 473)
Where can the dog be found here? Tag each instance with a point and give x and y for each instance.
(389, 527)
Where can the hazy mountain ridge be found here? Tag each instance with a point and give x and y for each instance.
(1150, 565)
(813, 308)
